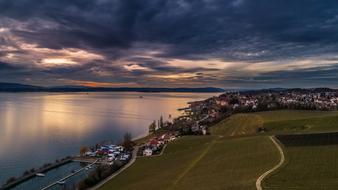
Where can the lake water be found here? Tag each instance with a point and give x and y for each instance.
(36, 128)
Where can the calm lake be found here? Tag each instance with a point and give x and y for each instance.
(36, 128)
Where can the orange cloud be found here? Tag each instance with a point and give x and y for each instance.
(98, 84)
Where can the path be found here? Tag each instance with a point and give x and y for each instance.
(131, 162)
(192, 165)
(282, 159)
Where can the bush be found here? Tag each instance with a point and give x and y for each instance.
(27, 172)
(46, 165)
(10, 180)
(100, 173)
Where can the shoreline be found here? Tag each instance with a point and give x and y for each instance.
(22, 179)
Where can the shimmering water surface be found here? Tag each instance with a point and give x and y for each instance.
(36, 128)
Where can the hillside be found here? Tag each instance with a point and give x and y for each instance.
(15, 87)
(275, 122)
(311, 163)
(235, 155)
(238, 125)
(201, 163)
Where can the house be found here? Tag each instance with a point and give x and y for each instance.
(147, 152)
(204, 130)
(91, 154)
(165, 138)
(154, 142)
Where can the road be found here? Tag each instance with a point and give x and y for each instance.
(280, 163)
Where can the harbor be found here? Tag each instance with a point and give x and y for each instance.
(64, 176)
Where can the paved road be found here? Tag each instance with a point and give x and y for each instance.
(282, 159)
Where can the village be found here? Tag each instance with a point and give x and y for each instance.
(200, 115)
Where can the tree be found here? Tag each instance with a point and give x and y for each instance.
(83, 150)
(128, 144)
(127, 137)
(152, 127)
(161, 125)
(11, 180)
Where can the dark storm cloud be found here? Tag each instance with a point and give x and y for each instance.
(305, 78)
(165, 67)
(192, 27)
(6, 67)
(237, 30)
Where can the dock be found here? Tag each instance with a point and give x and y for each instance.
(89, 160)
(68, 176)
(33, 174)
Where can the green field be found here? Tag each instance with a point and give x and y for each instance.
(307, 168)
(235, 155)
(201, 163)
(276, 122)
(238, 125)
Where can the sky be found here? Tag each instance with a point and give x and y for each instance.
(170, 43)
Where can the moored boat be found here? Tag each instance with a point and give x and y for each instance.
(40, 174)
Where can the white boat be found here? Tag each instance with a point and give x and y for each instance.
(40, 174)
(61, 182)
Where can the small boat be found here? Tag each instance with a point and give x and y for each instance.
(61, 182)
(40, 174)
(140, 96)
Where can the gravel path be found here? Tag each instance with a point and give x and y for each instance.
(282, 159)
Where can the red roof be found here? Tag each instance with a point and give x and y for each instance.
(153, 142)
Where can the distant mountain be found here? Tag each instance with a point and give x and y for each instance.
(128, 89)
(15, 87)
(290, 90)
(69, 86)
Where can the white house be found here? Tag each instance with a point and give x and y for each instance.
(91, 154)
(147, 152)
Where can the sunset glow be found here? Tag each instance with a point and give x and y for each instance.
(57, 61)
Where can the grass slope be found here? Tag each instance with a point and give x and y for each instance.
(238, 125)
(284, 121)
(307, 168)
(311, 124)
(201, 163)
(282, 115)
(220, 162)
